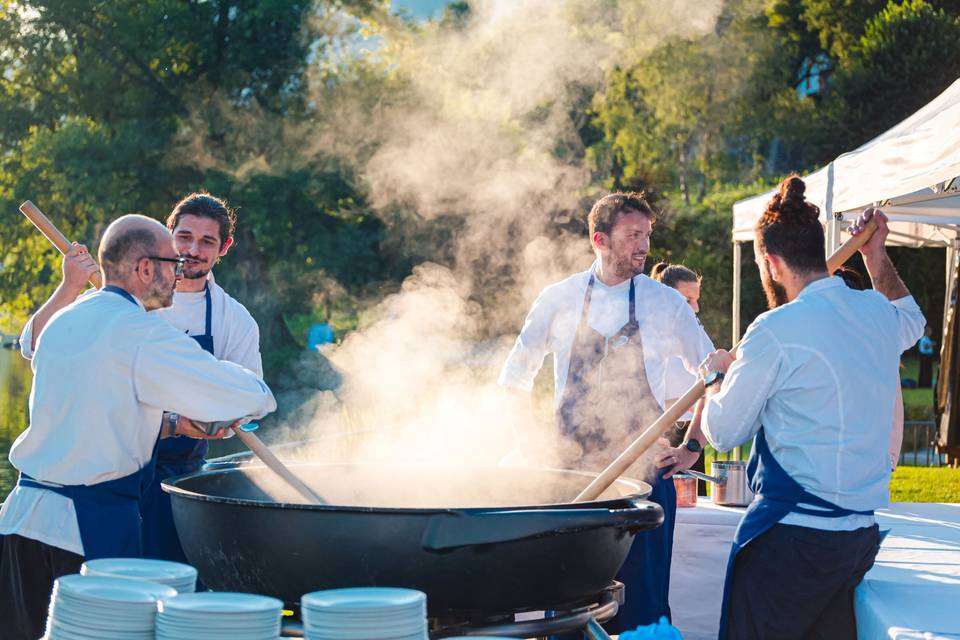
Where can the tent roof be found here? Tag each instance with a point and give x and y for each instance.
(909, 170)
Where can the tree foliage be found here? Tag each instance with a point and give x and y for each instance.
(114, 106)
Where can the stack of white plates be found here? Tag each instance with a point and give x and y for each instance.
(219, 616)
(105, 608)
(181, 577)
(365, 614)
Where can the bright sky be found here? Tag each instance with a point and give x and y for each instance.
(420, 8)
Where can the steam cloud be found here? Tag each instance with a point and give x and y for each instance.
(484, 133)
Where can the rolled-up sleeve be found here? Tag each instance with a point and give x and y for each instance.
(732, 415)
(172, 372)
(910, 321)
(530, 348)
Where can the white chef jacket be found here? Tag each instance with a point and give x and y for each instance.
(820, 375)
(668, 328)
(104, 371)
(236, 336)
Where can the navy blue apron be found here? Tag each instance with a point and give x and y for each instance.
(607, 375)
(108, 514)
(778, 494)
(175, 456)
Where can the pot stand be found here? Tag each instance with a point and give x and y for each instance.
(584, 619)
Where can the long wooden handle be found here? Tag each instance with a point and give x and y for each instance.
(50, 231)
(643, 442)
(263, 452)
(850, 247)
(652, 433)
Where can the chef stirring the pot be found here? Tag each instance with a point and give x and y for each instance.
(813, 385)
(612, 331)
(203, 230)
(103, 368)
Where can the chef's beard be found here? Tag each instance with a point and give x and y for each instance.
(194, 274)
(160, 293)
(776, 294)
(623, 267)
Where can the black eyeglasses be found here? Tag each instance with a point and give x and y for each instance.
(178, 271)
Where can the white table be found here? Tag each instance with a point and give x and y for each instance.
(701, 546)
(912, 592)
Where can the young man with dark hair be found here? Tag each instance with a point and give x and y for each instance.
(813, 384)
(203, 228)
(611, 331)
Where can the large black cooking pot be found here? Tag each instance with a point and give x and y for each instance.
(475, 540)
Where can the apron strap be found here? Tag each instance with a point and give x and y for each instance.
(121, 292)
(208, 321)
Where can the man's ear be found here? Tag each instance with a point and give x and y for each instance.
(144, 270)
(599, 240)
(226, 246)
(777, 266)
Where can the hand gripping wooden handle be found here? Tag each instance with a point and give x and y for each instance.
(50, 231)
(652, 433)
(850, 247)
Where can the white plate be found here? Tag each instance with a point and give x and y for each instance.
(216, 602)
(141, 568)
(364, 598)
(98, 589)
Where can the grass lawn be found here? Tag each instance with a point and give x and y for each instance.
(917, 402)
(909, 484)
(925, 484)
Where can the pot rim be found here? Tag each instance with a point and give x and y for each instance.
(171, 486)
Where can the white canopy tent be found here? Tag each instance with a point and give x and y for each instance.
(911, 171)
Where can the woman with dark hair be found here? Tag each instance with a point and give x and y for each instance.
(677, 378)
(812, 384)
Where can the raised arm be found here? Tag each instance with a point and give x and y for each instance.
(884, 275)
(78, 266)
(886, 280)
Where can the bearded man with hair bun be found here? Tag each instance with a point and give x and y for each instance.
(812, 384)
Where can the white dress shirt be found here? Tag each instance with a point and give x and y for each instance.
(820, 375)
(668, 328)
(104, 371)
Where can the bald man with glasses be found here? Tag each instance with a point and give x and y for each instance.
(104, 372)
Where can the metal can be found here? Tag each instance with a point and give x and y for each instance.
(686, 486)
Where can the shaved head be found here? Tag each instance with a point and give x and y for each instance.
(137, 255)
(128, 239)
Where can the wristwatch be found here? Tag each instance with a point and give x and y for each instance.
(693, 445)
(172, 420)
(714, 377)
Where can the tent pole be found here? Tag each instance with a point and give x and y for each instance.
(952, 249)
(737, 250)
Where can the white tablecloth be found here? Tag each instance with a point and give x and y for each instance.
(912, 592)
(701, 545)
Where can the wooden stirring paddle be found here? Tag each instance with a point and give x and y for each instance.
(50, 231)
(673, 413)
(273, 463)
